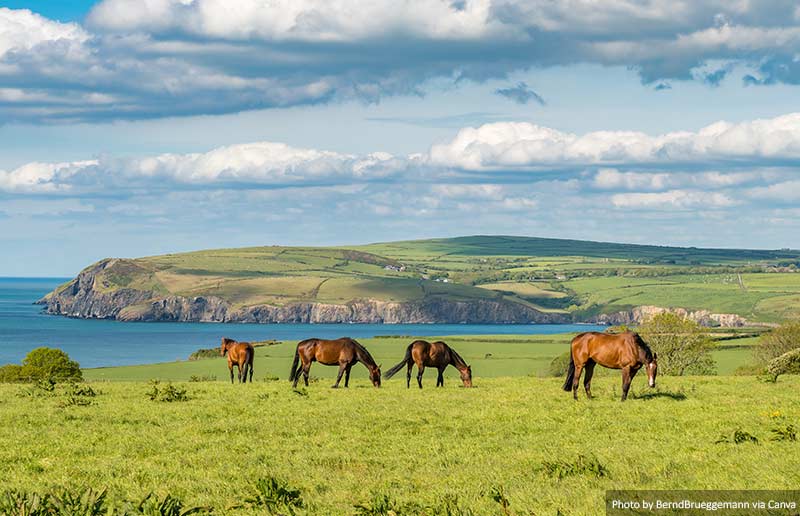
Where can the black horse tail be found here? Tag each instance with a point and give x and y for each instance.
(248, 364)
(295, 364)
(391, 372)
(570, 374)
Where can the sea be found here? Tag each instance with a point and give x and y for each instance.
(100, 343)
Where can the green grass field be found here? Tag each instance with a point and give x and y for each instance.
(343, 447)
(491, 356)
(569, 277)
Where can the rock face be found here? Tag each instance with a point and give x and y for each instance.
(82, 298)
(640, 314)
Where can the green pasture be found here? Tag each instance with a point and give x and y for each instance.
(491, 356)
(520, 436)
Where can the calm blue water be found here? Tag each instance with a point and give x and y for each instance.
(92, 343)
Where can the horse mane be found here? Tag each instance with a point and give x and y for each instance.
(648, 353)
(362, 353)
(457, 360)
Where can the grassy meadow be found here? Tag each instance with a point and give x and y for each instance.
(520, 436)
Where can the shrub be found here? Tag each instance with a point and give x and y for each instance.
(11, 373)
(205, 353)
(50, 364)
(151, 505)
(168, 393)
(682, 345)
(559, 365)
(739, 437)
(276, 496)
(86, 503)
(203, 378)
(784, 433)
(777, 342)
(788, 363)
(380, 505)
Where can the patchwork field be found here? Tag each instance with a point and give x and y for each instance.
(574, 279)
(436, 451)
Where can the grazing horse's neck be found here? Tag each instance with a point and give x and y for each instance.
(363, 356)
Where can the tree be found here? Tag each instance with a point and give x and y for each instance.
(10, 373)
(682, 345)
(788, 363)
(782, 339)
(48, 363)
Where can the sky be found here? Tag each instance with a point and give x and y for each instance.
(139, 127)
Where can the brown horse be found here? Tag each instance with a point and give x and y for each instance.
(438, 355)
(344, 352)
(241, 354)
(626, 351)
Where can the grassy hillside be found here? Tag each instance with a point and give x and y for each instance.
(551, 275)
(521, 437)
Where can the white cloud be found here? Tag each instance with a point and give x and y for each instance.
(787, 191)
(521, 145)
(681, 199)
(155, 58)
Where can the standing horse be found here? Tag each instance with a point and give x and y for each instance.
(241, 354)
(626, 351)
(344, 352)
(438, 355)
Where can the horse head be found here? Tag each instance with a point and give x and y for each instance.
(652, 371)
(466, 376)
(375, 375)
(226, 343)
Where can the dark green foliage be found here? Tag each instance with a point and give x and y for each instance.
(205, 353)
(784, 433)
(582, 465)
(739, 437)
(781, 340)
(78, 395)
(203, 378)
(167, 393)
(11, 373)
(380, 505)
(50, 364)
(17, 503)
(151, 505)
(275, 496)
(86, 503)
(42, 364)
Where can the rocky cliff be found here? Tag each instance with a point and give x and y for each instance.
(85, 297)
(640, 314)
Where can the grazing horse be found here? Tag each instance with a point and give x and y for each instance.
(626, 351)
(344, 352)
(241, 354)
(438, 355)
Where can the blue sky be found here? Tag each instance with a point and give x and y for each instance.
(136, 128)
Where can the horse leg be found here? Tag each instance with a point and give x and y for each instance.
(627, 377)
(347, 375)
(420, 370)
(239, 369)
(342, 367)
(440, 378)
(408, 374)
(250, 369)
(577, 380)
(306, 369)
(230, 368)
(587, 379)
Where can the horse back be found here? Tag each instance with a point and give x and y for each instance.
(610, 350)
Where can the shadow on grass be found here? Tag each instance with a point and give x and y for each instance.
(677, 396)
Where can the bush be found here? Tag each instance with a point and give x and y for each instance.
(11, 373)
(50, 364)
(168, 393)
(777, 342)
(682, 345)
(788, 363)
(559, 365)
(276, 496)
(205, 353)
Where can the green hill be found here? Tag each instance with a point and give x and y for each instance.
(510, 279)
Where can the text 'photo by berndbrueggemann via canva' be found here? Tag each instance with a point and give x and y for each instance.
(421, 257)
